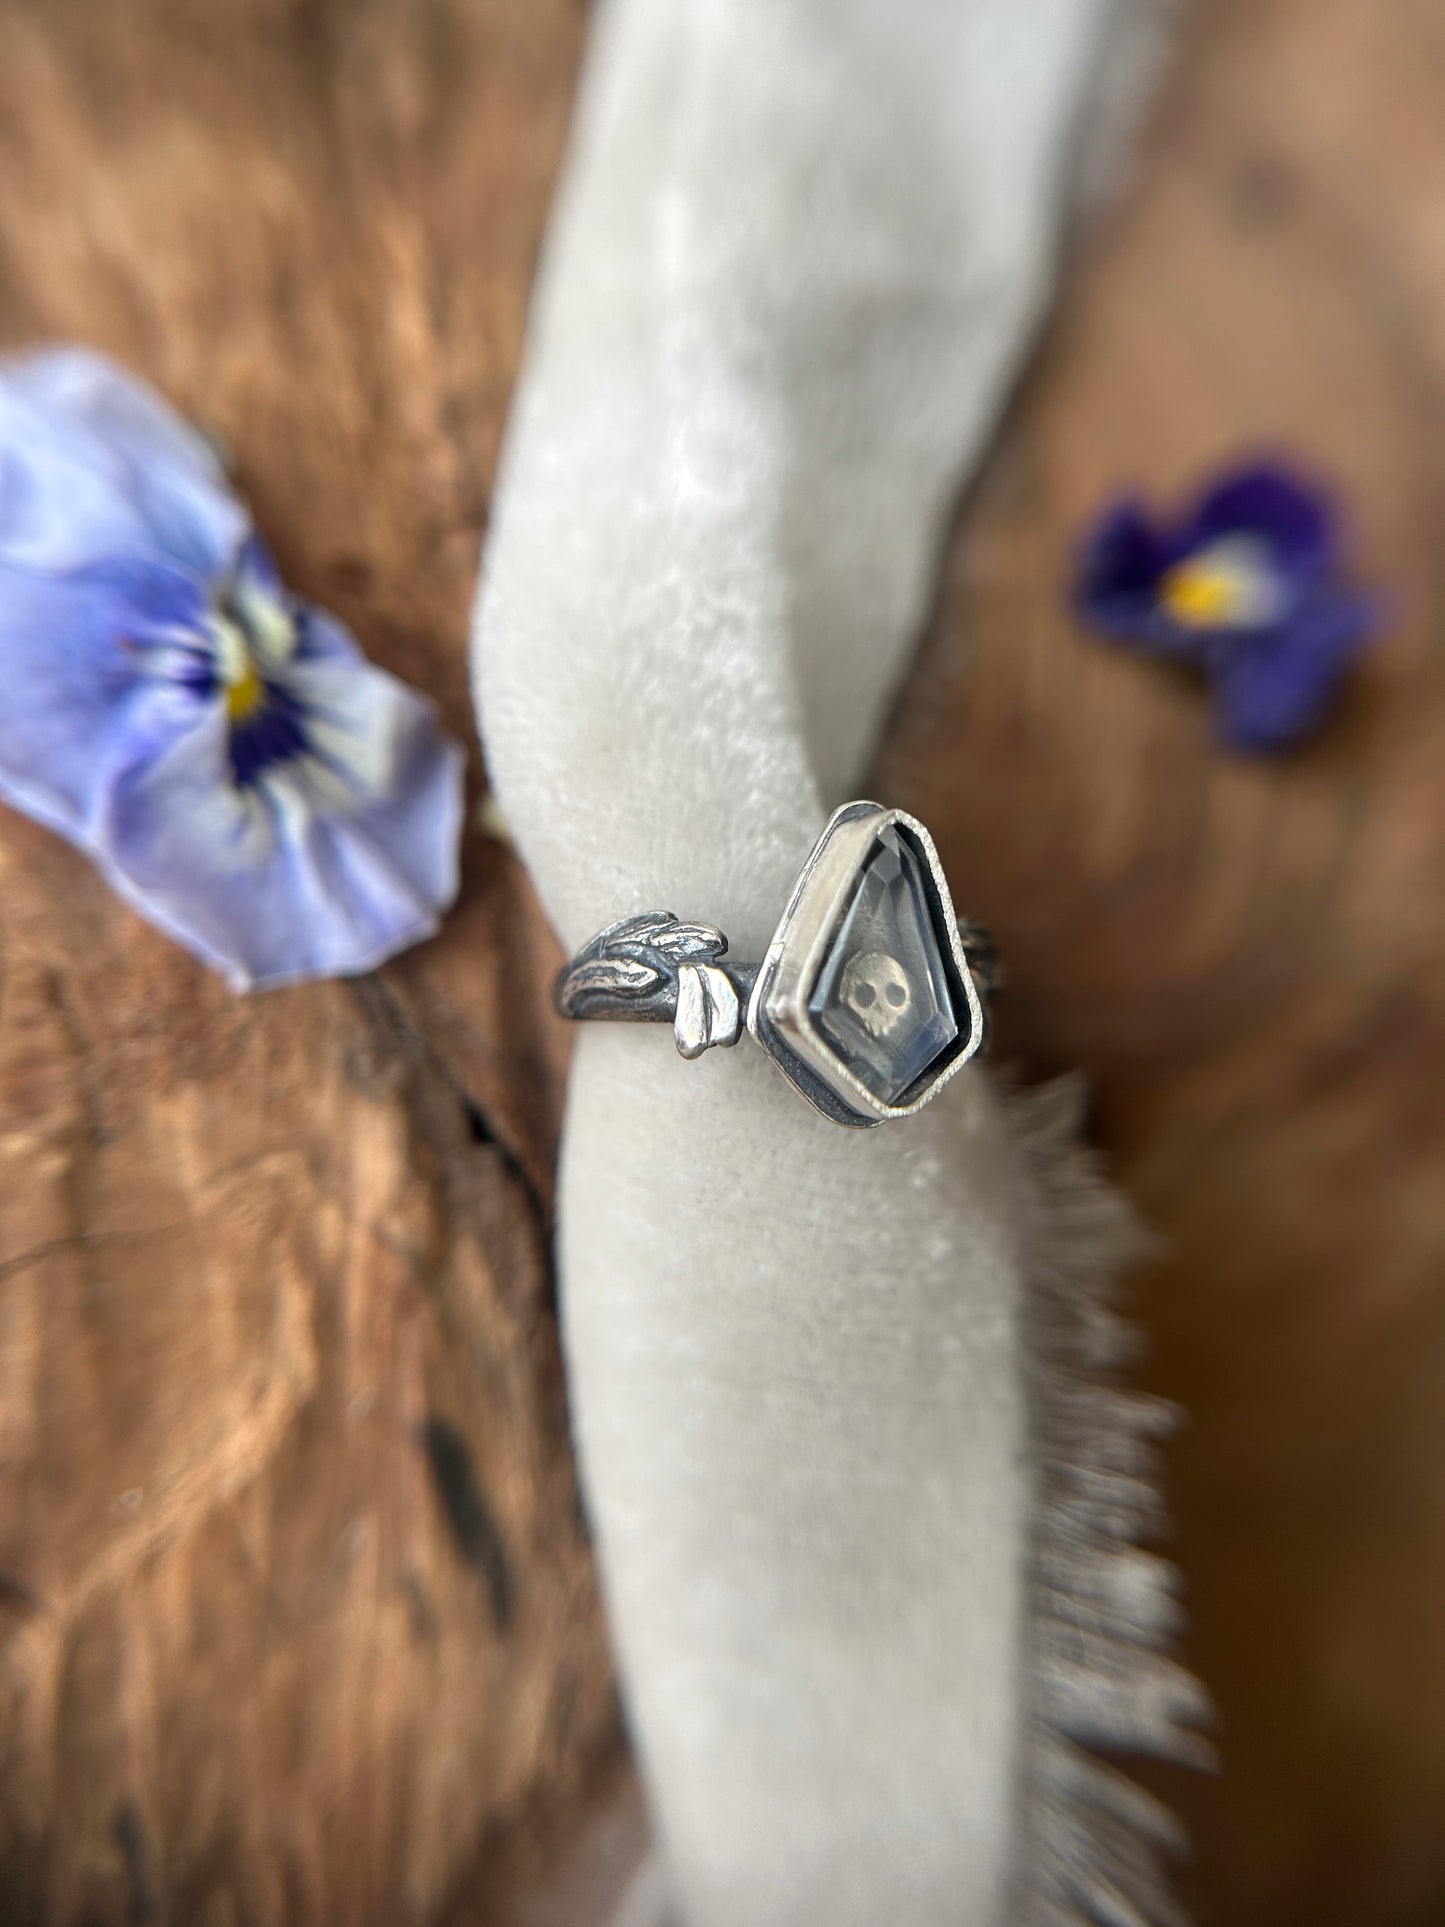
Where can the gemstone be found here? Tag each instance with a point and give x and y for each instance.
(882, 998)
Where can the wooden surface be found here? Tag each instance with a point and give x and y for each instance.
(296, 1613)
(296, 1617)
(1249, 959)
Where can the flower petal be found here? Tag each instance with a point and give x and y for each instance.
(1293, 518)
(274, 884)
(93, 464)
(79, 700)
(1275, 689)
(361, 722)
(1116, 588)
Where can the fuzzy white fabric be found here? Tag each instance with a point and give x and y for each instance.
(799, 249)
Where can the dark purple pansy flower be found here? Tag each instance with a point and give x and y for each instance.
(1248, 588)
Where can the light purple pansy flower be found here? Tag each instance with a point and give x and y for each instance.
(225, 753)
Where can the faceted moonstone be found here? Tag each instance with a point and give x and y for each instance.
(882, 999)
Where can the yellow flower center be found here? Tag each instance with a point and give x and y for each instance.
(245, 695)
(1226, 586)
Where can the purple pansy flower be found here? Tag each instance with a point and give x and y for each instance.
(1247, 587)
(225, 753)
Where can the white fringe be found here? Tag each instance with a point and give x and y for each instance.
(1103, 1612)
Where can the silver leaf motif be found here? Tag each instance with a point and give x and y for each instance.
(708, 1009)
(634, 969)
(690, 1025)
(689, 942)
(621, 976)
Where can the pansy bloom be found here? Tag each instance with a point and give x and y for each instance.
(1248, 587)
(225, 753)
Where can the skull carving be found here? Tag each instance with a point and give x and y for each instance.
(875, 989)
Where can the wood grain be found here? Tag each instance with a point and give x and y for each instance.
(296, 1611)
(1249, 958)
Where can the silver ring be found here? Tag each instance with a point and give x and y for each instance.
(870, 996)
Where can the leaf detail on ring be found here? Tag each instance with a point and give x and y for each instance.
(687, 942)
(621, 976)
(635, 959)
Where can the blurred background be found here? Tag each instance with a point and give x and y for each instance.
(297, 1616)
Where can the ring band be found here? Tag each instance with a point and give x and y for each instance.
(870, 996)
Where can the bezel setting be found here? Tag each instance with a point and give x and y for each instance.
(779, 1017)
